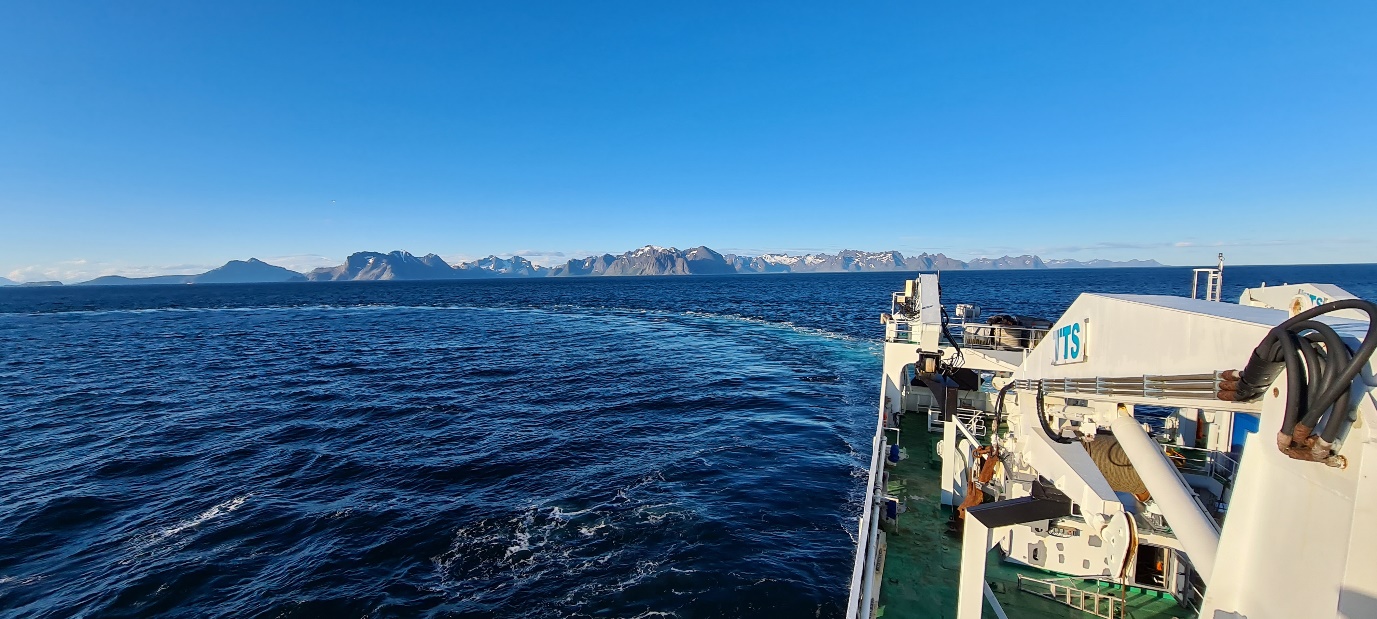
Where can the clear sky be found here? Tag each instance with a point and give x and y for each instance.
(155, 137)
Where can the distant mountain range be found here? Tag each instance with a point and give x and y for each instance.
(251, 271)
(1098, 264)
(653, 260)
(372, 266)
(648, 260)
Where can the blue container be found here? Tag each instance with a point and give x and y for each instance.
(1244, 424)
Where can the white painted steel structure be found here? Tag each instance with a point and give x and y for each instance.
(1298, 538)
(1296, 298)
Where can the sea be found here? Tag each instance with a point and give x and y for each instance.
(584, 447)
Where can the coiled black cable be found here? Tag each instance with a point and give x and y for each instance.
(1319, 378)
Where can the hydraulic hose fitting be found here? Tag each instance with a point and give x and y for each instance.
(1320, 449)
(1301, 444)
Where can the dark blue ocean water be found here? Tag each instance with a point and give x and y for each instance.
(622, 447)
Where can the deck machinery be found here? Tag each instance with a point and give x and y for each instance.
(1222, 454)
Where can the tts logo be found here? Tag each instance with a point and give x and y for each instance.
(1069, 344)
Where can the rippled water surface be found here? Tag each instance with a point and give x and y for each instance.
(689, 447)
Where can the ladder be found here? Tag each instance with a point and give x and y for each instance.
(1093, 602)
(1214, 281)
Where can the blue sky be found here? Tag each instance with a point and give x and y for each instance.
(151, 137)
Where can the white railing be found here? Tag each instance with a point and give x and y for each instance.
(1217, 465)
(971, 335)
(971, 418)
(899, 331)
(1093, 602)
(1194, 594)
(1001, 337)
(861, 599)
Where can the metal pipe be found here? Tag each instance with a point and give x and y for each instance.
(1196, 530)
(994, 602)
(870, 551)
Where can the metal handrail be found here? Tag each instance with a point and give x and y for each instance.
(973, 335)
(899, 330)
(1001, 337)
(973, 420)
(863, 569)
(1093, 602)
(1218, 465)
(961, 427)
(1195, 598)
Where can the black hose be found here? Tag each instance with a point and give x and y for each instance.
(1335, 348)
(959, 359)
(1343, 381)
(1336, 354)
(1295, 380)
(999, 409)
(1321, 379)
(1042, 420)
(1262, 369)
(1314, 379)
(1316, 332)
(1320, 346)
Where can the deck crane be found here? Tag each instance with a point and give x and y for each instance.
(1222, 453)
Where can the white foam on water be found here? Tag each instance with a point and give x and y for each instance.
(644, 569)
(777, 324)
(21, 582)
(586, 531)
(205, 516)
(523, 542)
(543, 540)
(166, 539)
(557, 512)
(553, 310)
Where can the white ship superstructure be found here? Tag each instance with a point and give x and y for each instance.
(1219, 456)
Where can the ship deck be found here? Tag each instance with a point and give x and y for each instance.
(923, 560)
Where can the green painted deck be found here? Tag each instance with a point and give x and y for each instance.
(923, 562)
